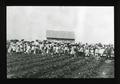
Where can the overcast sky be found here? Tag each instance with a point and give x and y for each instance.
(90, 23)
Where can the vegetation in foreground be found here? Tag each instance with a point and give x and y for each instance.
(64, 66)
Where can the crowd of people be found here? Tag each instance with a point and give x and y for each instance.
(52, 48)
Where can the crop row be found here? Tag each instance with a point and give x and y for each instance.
(36, 62)
(19, 57)
(30, 60)
(54, 67)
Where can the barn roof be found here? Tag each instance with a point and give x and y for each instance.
(60, 34)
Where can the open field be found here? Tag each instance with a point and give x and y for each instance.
(64, 66)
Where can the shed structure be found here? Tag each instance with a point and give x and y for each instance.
(60, 36)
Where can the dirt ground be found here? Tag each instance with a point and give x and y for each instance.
(106, 70)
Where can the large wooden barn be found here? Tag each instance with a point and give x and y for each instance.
(60, 36)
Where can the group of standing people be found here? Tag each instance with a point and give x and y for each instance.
(59, 48)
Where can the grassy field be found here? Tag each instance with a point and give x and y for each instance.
(64, 66)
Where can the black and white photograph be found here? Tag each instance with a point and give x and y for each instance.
(60, 42)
